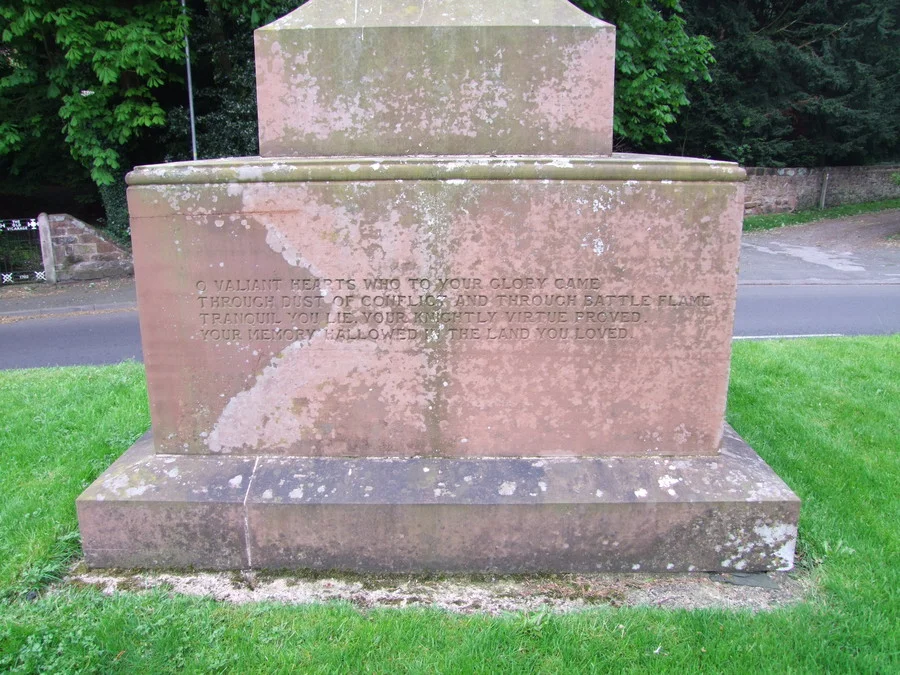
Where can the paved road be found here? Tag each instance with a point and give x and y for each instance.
(862, 249)
(768, 310)
(762, 311)
(68, 340)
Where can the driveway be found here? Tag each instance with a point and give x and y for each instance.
(859, 250)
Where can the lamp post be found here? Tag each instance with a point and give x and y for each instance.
(187, 54)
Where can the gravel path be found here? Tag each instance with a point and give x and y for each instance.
(468, 595)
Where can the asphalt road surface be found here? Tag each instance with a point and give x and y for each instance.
(69, 340)
(762, 311)
(797, 310)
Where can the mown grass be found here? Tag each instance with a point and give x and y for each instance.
(771, 221)
(59, 429)
(824, 413)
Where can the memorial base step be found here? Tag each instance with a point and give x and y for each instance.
(727, 512)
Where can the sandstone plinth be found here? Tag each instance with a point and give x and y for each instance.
(513, 515)
(586, 314)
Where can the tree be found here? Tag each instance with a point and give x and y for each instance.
(655, 61)
(796, 83)
(224, 79)
(91, 69)
(103, 81)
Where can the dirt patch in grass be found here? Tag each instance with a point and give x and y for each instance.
(468, 595)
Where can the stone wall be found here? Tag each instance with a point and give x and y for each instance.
(782, 190)
(78, 251)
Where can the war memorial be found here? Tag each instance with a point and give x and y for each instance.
(438, 325)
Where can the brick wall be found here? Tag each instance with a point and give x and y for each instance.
(80, 251)
(781, 190)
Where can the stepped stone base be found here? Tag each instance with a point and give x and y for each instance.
(722, 513)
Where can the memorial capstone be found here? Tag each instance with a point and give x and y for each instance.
(438, 325)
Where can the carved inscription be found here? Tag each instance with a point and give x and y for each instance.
(409, 309)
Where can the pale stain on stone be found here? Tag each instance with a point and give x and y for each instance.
(137, 491)
(782, 537)
(667, 481)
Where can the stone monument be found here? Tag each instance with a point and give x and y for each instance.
(438, 325)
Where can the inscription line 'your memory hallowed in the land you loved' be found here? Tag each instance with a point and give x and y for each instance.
(459, 308)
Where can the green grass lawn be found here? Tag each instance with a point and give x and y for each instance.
(770, 221)
(824, 413)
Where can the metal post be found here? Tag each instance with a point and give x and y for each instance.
(187, 54)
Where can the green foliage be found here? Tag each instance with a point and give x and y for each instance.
(86, 85)
(33, 150)
(19, 254)
(99, 64)
(224, 81)
(655, 61)
(253, 13)
(796, 83)
(115, 206)
(98, 78)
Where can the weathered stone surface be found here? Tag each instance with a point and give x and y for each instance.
(148, 510)
(78, 251)
(456, 317)
(98, 269)
(475, 77)
(726, 513)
